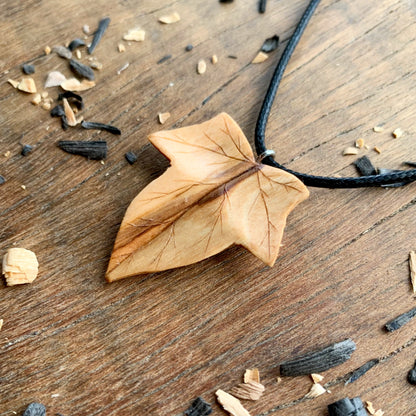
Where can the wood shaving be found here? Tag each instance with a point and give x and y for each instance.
(78, 54)
(377, 149)
(69, 113)
(259, 58)
(20, 266)
(47, 50)
(44, 94)
(72, 84)
(24, 188)
(232, 405)
(171, 18)
(27, 85)
(412, 267)
(316, 378)
(7, 154)
(96, 65)
(13, 83)
(1, 323)
(397, 133)
(46, 105)
(278, 380)
(201, 67)
(315, 391)
(86, 29)
(249, 391)
(350, 151)
(370, 408)
(378, 129)
(121, 47)
(252, 375)
(136, 34)
(163, 117)
(359, 143)
(214, 59)
(54, 79)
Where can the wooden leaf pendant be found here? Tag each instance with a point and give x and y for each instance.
(213, 195)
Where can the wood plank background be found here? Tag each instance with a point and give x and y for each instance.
(150, 344)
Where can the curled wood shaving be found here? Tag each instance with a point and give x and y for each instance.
(350, 151)
(316, 378)
(136, 34)
(163, 117)
(201, 67)
(250, 390)
(315, 391)
(412, 267)
(72, 84)
(27, 85)
(252, 375)
(171, 18)
(397, 133)
(259, 58)
(232, 405)
(20, 266)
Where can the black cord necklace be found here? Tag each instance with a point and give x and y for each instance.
(398, 178)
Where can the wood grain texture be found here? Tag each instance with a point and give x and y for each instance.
(152, 344)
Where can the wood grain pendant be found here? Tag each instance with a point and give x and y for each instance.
(214, 194)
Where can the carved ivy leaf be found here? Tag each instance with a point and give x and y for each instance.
(212, 196)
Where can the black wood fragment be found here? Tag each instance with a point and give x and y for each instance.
(2, 180)
(84, 71)
(102, 27)
(199, 407)
(27, 148)
(360, 371)
(57, 111)
(232, 57)
(412, 164)
(318, 361)
(401, 320)
(35, 409)
(100, 126)
(270, 44)
(130, 157)
(164, 59)
(28, 69)
(226, 1)
(347, 407)
(411, 375)
(64, 122)
(76, 43)
(262, 6)
(73, 98)
(365, 167)
(95, 150)
(189, 47)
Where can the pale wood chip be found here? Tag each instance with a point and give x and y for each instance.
(69, 113)
(86, 29)
(232, 405)
(350, 151)
(24, 188)
(20, 266)
(1, 323)
(47, 50)
(54, 79)
(315, 391)
(259, 58)
(359, 143)
(412, 267)
(201, 67)
(44, 94)
(171, 18)
(370, 408)
(397, 133)
(278, 380)
(136, 34)
(214, 59)
(249, 391)
(13, 83)
(252, 374)
(27, 85)
(96, 65)
(163, 117)
(46, 105)
(121, 47)
(378, 129)
(7, 154)
(78, 54)
(377, 149)
(316, 378)
(72, 84)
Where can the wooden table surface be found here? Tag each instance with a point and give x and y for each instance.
(151, 344)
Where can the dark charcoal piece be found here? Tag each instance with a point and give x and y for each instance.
(401, 320)
(318, 361)
(2, 180)
(189, 47)
(130, 157)
(64, 122)
(28, 69)
(57, 111)
(82, 70)
(76, 43)
(347, 407)
(90, 125)
(262, 6)
(199, 407)
(411, 375)
(74, 98)
(35, 409)
(360, 371)
(365, 167)
(102, 27)
(270, 44)
(95, 150)
(164, 59)
(232, 57)
(412, 164)
(27, 148)
(226, 1)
